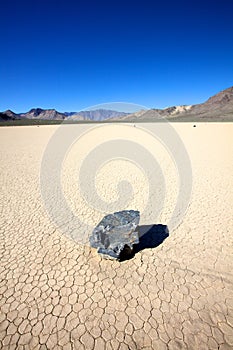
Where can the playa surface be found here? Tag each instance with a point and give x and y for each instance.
(57, 293)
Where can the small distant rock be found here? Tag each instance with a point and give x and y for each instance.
(116, 233)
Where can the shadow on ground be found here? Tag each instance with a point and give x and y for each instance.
(150, 236)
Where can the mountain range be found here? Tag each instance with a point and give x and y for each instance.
(217, 108)
(52, 114)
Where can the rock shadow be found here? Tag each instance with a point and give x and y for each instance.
(150, 236)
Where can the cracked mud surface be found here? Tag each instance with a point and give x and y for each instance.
(57, 294)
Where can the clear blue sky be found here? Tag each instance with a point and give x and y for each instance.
(69, 55)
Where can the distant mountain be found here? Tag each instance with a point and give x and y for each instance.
(11, 114)
(47, 114)
(69, 114)
(76, 117)
(4, 117)
(99, 114)
(8, 115)
(217, 108)
(52, 114)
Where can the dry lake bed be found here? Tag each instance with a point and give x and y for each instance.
(57, 182)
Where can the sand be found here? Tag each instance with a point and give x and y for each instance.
(58, 182)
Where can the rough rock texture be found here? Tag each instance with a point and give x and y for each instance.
(116, 233)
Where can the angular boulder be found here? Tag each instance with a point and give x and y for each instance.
(116, 234)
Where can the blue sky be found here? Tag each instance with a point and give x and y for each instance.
(69, 55)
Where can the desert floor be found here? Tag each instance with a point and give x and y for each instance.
(176, 292)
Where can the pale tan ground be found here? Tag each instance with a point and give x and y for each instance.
(57, 294)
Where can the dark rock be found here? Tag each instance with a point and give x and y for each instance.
(116, 233)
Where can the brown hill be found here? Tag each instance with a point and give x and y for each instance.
(47, 114)
(8, 116)
(217, 108)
